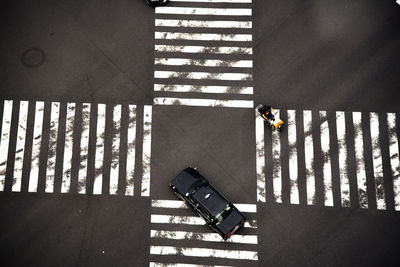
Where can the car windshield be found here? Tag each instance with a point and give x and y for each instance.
(196, 187)
(223, 214)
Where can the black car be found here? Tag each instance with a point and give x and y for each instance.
(219, 213)
(156, 2)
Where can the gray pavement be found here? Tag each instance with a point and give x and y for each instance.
(308, 55)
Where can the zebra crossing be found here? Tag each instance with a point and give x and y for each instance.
(83, 140)
(327, 143)
(203, 53)
(173, 224)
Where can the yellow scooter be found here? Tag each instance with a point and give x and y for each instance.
(271, 119)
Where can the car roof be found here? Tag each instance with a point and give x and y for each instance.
(214, 204)
(185, 179)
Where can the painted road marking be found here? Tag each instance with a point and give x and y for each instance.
(5, 140)
(394, 158)
(377, 161)
(203, 75)
(84, 148)
(260, 159)
(342, 156)
(203, 102)
(52, 149)
(204, 63)
(214, 1)
(204, 252)
(293, 173)
(36, 145)
(114, 170)
(159, 264)
(309, 157)
(276, 165)
(179, 204)
(146, 157)
(203, 11)
(209, 237)
(20, 146)
(196, 49)
(360, 162)
(203, 23)
(99, 158)
(68, 146)
(130, 166)
(203, 36)
(181, 88)
(325, 149)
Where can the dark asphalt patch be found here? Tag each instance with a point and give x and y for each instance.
(33, 57)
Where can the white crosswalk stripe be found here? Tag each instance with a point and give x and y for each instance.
(394, 158)
(20, 146)
(178, 67)
(37, 142)
(318, 164)
(166, 225)
(325, 149)
(360, 162)
(5, 140)
(69, 131)
(342, 155)
(84, 148)
(309, 157)
(52, 149)
(74, 141)
(204, 11)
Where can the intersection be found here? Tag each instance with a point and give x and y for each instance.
(91, 136)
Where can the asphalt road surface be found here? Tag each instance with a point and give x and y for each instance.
(102, 103)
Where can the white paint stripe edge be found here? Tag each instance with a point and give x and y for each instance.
(203, 23)
(36, 144)
(68, 147)
(51, 160)
(84, 148)
(203, 89)
(326, 157)
(213, 1)
(20, 146)
(146, 158)
(99, 156)
(130, 166)
(309, 157)
(394, 158)
(5, 139)
(360, 163)
(293, 172)
(342, 155)
(208, 237)
(203, 75)
(114, 169)
(204, 252)
(190, 220)
(260, 159)
(276, 167)
(203, 102)
(203, 36)
(204, 11)
(204, 63)
(159, 264)
(251, 208)
(204, 49)
(377, 162)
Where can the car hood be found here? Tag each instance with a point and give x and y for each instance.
(229, 223)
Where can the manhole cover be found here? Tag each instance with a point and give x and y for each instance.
(33, 57)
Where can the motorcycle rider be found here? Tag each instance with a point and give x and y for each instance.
(266, 113)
